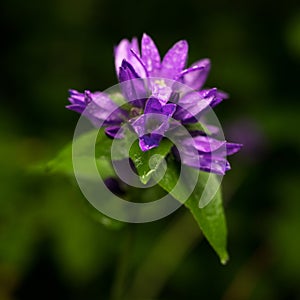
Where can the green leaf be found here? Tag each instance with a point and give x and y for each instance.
(148, 163)
(62, 163)
(211, 218)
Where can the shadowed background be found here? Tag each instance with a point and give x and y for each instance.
(51, 246)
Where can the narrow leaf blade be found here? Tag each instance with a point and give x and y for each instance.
(211, 218)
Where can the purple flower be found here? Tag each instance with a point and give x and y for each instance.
(149, 63)
(211, 153)
(99, 109)
(152, 125)
(196, 103)
(154, 106)
(133, 87)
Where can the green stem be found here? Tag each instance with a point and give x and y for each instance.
(120, 281)
(171, 248)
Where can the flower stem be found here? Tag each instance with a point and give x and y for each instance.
(162, 260)
(121, 276)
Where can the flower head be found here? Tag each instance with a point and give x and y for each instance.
(148, 63)
(157, 106)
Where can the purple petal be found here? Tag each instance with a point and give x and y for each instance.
(139, 125)
(208, 144)
(150, 129)
(76, 97)
(103, 108)
(222, 94)
(150, 123)
(193, 104)
(144, 72)
(206, 163)
(218, 98)
(101, 99)
(76, 107)
(125, 51)
(78, 101)
(150, 54)
(122, 51)
(97, 107)
(169, 109)
(127, 71)
(154, 106)
(233, 148)
(135, 45)
(211, 155)
(204, 144)
(190, 106)
(133, 87)
(175, 60)
(149, 141)
(195, 76)
(114, 132)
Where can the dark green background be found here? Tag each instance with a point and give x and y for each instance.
(51, 248)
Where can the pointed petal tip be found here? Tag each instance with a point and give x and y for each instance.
(146, 37)
(180, 47)
(121, 45)
(182, 44)
(205, 61)
(147, 40)
(196, 75)
(233, 148)
(175, 59)
(223, 94)
(150, 54)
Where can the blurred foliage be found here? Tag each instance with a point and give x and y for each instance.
(51, 246)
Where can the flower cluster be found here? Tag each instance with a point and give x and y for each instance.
(157, 105)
